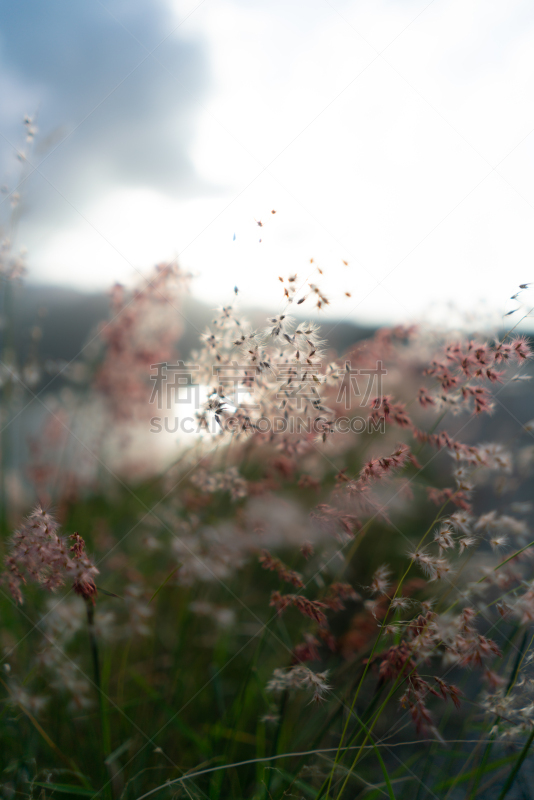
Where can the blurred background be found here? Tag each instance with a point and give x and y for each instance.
(393, 138)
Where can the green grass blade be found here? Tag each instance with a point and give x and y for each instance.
(65, 788)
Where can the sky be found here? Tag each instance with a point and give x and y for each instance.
(394, 135)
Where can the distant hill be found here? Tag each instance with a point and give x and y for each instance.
(68, 318)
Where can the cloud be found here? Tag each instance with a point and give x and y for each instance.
(109, 114)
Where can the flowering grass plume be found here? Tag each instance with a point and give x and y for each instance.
(40, 554)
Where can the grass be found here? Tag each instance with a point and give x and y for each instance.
(259, 572)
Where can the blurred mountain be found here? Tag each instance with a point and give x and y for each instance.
(68, 320)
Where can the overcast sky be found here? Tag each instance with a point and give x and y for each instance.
(396, 135)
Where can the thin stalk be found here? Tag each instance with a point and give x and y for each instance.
(521, 653)
(167, 579)
(382, 627)
(517, 766)
(104, 722)
(400, 677)
(283, 704)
